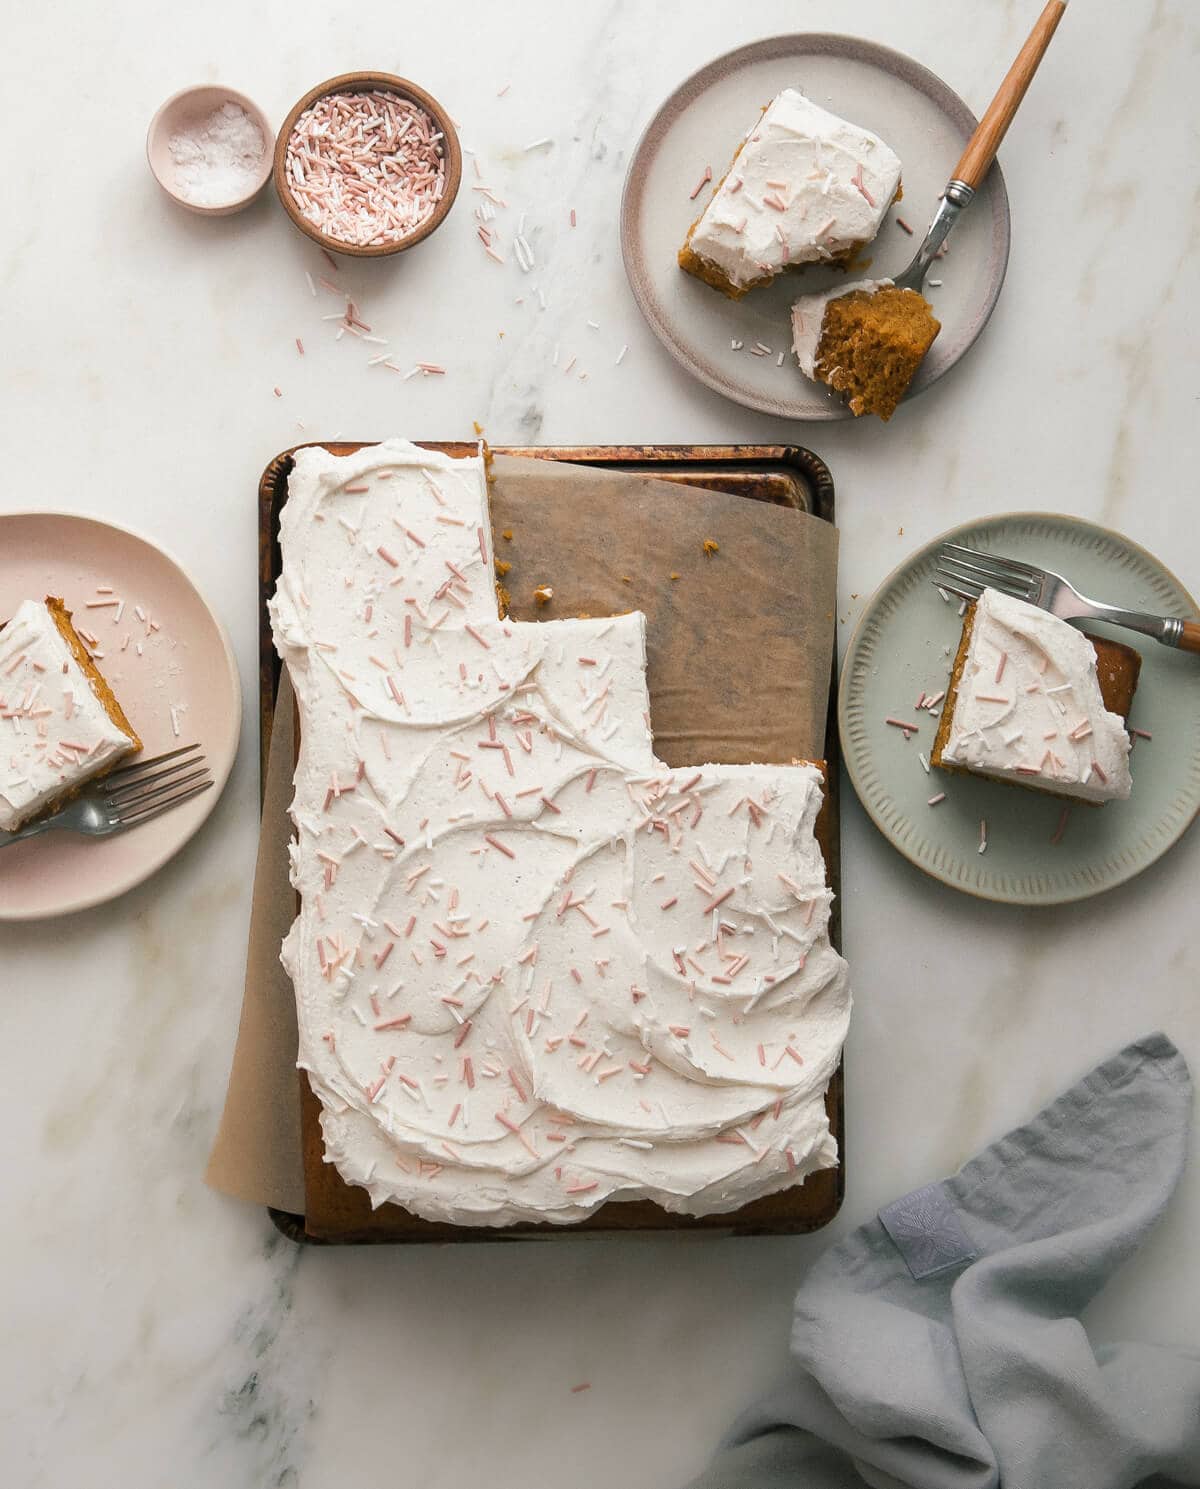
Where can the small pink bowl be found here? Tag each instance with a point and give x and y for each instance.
(192, 106)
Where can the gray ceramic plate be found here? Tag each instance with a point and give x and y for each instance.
(904, 645)
(702, 123)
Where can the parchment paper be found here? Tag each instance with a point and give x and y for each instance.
(740, 652)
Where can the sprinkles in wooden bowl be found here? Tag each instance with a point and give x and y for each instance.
(367, 164)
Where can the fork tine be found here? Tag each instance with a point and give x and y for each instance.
(952, 588)
(992, 560)
(947, 578)
(1009, 584)
(138, 765)
(136, 783)
(138, 818)
(144, 798)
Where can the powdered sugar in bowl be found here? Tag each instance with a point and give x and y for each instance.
(367, 164)
(209, 149)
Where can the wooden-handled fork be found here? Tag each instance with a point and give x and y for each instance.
(981, 148)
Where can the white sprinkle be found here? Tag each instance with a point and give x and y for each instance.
(621, 355)
(537, 144)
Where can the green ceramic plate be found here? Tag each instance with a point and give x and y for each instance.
(904, 645)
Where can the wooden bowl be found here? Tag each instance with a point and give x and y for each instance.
(363, 82)
(188, 107)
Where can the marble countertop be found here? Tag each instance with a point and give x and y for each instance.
(156, 1332)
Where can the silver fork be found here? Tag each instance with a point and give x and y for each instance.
(966, 572)
(127, 797)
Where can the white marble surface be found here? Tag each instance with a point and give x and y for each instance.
(158, 1333)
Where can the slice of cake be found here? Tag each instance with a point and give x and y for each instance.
(804, 186)
(865, 340)
(1033, 701)
(536, 969)
(60, 725)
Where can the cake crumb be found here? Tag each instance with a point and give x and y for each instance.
(625, 579)
(502, 567)
(674, 575)
(507, 534)
(543, 594)
(711, 546)
(475, 424)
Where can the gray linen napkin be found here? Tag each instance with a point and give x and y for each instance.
(939, 1346)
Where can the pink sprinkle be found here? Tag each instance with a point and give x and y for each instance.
(1057, 836)
(299, 346)
(497, 844)
(390, 558)
(572, 216)
(396, 1023)
(700, 185)
(1141, 733)
(717, 900)
(483, 641)
(278, 392)
(1096, 767)
(1000, 666)
(858, 181)
(933, 800)
(900, 724)
(900, 223)
(413, 536)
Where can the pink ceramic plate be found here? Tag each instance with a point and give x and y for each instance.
(178, 656)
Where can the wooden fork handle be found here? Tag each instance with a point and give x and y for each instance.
(983, 144)
(1189, 639)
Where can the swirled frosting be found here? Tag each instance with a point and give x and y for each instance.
(1028, 706)
(55, 734)
(804, 186)
(535, 969)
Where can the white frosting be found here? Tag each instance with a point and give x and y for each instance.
(808, 316)
(806, 185)
(54, 732)
(1029, 708)
(535, 969)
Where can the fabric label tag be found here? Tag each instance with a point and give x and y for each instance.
(927, 1232)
